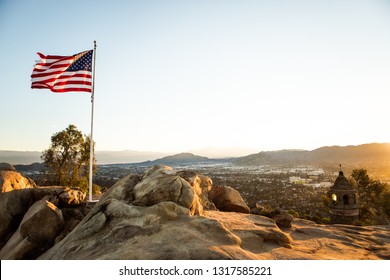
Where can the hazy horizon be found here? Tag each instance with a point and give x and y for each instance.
(132, 156)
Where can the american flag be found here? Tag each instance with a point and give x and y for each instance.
(63, 73)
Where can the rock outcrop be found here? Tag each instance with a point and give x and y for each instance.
(228, 199)
(283, 220)
(71, 197)
(36, 233)
(126, 224)
(170, 214)
(334, 242)
(13, 206)
(161, 216)
(161, 183)
(12, 180)
(31, 217)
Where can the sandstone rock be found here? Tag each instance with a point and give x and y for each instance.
(12, 180)
(72, 217)
(253, 230)
(159, 169)
(202, 185)
(147, 218)
(37, 232)
(158, 224)
(13, 206)
(283, 220)
(71, 197)
(123, 189)
(66, 196)
(255, 210)
(116, 230)
(120, 227)
(312, 241)
(166, 230)
(161, 184)
(228, 199)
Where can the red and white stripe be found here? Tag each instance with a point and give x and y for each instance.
(50, 72)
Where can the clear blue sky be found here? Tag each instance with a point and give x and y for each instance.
(173, 76)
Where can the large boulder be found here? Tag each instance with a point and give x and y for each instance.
(36, 233)
(71, 197)
(228, 199)
(283, 220)
(162, 184)
(14, 205)
(201, 184)
(11, 180)
(61, 196)
(123, 189)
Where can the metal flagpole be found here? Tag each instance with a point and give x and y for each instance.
(92, 109)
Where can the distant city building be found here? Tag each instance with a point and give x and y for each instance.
(343, 208)
(296, 180)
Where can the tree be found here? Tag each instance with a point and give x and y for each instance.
(386, 203)
(372, 196)
(68, 158)
(361, 181)
(369, 190)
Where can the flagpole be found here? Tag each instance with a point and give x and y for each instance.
(91, 151)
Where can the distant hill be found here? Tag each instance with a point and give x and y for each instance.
(37, 166)
(377, 154)
(367, 154)
(126, 156)
(180, 159)
(20, 157)
(102, 157)
(228, 152)
(183, 157)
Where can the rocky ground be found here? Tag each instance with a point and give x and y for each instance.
(310, 241)
(165, 214)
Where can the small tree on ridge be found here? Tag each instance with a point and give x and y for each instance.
(68, 158)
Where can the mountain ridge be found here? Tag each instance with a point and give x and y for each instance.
(371, 152)
(181, 159)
